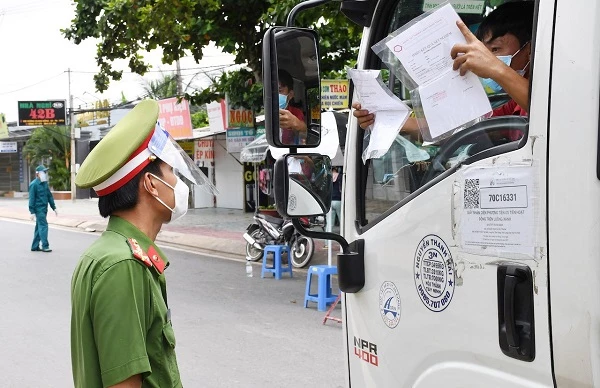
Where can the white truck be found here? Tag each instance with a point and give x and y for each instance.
(479, 265)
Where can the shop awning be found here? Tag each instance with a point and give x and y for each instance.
(255, 151)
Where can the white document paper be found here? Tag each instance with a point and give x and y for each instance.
(497, 213)
(424, 49)
(374, 95)
(449, 100)
(390, 112)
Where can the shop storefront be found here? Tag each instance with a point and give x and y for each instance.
(13, 168)
(257, 157)
(224, 170)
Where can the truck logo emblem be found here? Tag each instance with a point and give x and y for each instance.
(390, 305)
(434, 273)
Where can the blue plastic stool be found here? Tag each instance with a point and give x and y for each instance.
(324, 296)
(277, 268)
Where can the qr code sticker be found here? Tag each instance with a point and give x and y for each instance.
(471, 193)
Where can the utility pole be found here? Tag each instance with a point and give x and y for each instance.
(72, 124)
(178, 78)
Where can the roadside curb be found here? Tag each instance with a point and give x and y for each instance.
(200, 243)
(227, 246)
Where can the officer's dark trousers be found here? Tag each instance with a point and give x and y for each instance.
(41, 231)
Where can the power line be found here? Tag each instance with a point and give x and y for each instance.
(212, 68)
(33, 6)
(215, 67)
(32, 85)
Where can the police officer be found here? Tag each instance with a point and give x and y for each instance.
(39, 199)
(121, 332)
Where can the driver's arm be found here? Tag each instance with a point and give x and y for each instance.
(410, 127)
(475, 57)
(288, 120)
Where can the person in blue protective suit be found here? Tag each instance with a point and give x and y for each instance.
(39, 199)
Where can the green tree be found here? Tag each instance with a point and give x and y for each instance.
(200, 119)
(125, 28)
(54, 144)
(164, 87)
(238, 85)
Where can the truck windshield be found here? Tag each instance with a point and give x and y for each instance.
(411, 163)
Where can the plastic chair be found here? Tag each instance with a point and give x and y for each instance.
(277, 269)
(324, 296)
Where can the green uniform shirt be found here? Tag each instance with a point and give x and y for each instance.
(39, 197)
(120, 322)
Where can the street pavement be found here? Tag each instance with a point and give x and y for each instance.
(232, 330)
(210, 230)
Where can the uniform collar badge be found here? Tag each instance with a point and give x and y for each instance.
(138, 252)
(157, 261)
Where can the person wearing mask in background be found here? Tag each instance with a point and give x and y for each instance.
(39, 199)
(121, 331)
(291, 119)
(336, 200)
(499, 53)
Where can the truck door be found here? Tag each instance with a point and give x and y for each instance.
(456, 290)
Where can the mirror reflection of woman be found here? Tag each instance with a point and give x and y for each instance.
(291, 119)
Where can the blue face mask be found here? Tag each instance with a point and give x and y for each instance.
(491, 86)
(283, 101)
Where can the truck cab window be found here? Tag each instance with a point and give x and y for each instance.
(411, 165)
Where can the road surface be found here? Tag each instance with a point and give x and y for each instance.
(232, 331)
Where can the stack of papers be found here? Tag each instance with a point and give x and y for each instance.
(390, 112)
(449, 100)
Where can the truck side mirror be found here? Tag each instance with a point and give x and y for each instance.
(292, 89)
(303, 185)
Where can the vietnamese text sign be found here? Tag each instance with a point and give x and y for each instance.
(188, 147)
(216, 116)
(33, 113)
(461, 6)
(250, 188)
(498, 214)
(239, 138)
(175, 118)
(8, 147)
(334, 93)
(204, 151)
(240, 118)
(3, 127)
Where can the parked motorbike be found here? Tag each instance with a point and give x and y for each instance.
(269, 230)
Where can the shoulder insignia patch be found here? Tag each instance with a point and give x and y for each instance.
(157, 261)
(138, 252)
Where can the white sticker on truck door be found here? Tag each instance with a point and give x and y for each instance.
(434, 273)
(390, 305)
(497, 212)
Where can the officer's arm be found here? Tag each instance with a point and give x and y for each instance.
(119, 308)
(31, 198)
(132, 382)
(51, 199)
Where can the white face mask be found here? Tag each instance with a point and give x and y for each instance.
(43, 176)
(182, 194)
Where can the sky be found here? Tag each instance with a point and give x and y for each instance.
(35, 58)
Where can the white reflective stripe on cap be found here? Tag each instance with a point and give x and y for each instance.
(124, 170)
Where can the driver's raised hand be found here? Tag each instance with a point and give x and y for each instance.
(474, 56)
(363, 116)
(288, 120)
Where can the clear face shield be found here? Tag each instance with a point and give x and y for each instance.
(166, 149)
